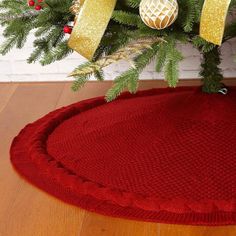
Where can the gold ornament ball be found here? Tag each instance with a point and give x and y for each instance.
(158, 14)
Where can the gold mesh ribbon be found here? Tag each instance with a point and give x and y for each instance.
(213, 19)
(90, 26)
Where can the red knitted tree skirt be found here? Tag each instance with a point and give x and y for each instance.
(162, 155)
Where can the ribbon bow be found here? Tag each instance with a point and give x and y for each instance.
(213, 20)
(91, 23)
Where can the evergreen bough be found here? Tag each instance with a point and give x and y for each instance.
(50, 43)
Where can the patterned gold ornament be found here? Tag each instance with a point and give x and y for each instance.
(158, 14)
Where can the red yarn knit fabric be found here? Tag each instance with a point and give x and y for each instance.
(162, 155)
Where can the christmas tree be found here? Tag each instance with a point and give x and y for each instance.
(127, 36)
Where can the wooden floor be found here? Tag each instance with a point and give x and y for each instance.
(28, 211)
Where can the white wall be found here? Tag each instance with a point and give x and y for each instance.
(13, 66)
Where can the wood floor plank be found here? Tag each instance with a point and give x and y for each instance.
(6, 91)
(188, 230)
(25, 210)
(99, 225)
(28, 211)
(88, 91)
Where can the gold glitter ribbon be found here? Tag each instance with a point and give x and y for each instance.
(213, 19)
(90, 26)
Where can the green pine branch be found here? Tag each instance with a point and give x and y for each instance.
(133, 3)
(202, 44)
(173, 57)
(50, 45)
(129, 79)
(211, 72)
(126, 18)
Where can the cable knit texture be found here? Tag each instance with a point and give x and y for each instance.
(162, 155)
